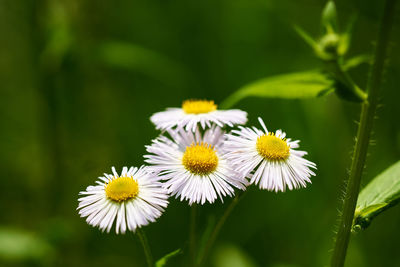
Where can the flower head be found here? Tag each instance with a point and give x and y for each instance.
(194, 112)
(132, 200)
(268, 159)
(193, 166)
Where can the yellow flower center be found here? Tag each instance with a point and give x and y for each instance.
(122, 188)
(198, 106)
(200, 159)
(272, 148)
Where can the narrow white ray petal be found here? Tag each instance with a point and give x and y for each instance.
(146, 206)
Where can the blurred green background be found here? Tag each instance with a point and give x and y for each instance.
(80, 79)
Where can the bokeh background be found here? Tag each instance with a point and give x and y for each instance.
(80, 79)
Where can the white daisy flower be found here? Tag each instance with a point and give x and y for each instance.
(132, 200)
(194, 112)
(268, 159)
(192, 165)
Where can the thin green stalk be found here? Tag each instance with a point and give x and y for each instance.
(192, 235)
(218, 227)
(145, 244)
(363, 137)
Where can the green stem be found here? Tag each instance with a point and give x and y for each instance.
(218, 227)
(345, 78)
(192, 235)
(363, 137)
(145, 244)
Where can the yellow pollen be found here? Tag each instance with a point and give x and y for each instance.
(200, 159)
(198, 106)
(272, 148)
(122, 188)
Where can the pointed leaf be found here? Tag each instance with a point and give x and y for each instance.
(329, 16)
(380, 194)
(299, 85)
(163, 261)
(356, 61)
(345, 37)
(306, 37)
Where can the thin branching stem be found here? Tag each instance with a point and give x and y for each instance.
(145, 244)
(363, 136)
(218, 226)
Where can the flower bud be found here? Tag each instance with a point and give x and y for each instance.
(328, 46)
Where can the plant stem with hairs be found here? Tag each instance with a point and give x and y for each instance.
(363, 136)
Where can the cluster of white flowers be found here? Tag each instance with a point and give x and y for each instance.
(197, 161)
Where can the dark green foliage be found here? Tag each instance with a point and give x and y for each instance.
(380, 194)
(72, 105)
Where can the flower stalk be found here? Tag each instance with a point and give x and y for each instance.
(145, 244)
(363, 136)
(218, 227)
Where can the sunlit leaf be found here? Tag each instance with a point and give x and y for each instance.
(380, 194)
(356, 61)
(329, 16)
(299, 85)
(20, 245)
(163, 261)
(346, 36)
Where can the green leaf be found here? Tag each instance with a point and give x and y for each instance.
(163, 261)
(380, 194)
(356, 61)
(299, 85)
(329, 16)
(345, 37)
(306, 37)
